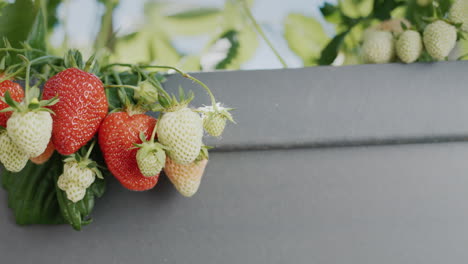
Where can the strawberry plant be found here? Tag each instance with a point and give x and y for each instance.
(78, 124)
(372, 31)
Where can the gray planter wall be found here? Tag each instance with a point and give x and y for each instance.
(309, 175)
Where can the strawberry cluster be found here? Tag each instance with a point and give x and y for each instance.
(433, 40)
(77, 108)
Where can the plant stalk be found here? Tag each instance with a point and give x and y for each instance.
(261, 33)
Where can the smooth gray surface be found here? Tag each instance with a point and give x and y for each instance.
(381, 204)
(365, 104)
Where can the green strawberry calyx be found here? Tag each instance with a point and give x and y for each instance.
(85, 162)
(146, 93)
(172, 103)
(204, 155)
(31, 101)
(212, 112)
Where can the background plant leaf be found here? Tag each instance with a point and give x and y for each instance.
(330, 52)
(78, 214)
(37, 37)
(305, 36)
(232, 37)
(32, 194)
(192, 21)
(356, 8)
(17, 20)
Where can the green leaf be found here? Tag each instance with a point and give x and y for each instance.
(330, 52)
(331, 13)
(232, 37)
(78, 214)
(9, 101)
(190, 63)
(38, 34)
(147, 46)
(192, 22)
(248, 43)
(32, 193)
(305, 37)
(17, 20)
(356, 8)
(52, 18)
(187, 22)
(195, 13)
(383, 8)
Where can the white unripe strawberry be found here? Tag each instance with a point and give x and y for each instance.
(215, 118)
(378, 47)
(409, 46)
(439, 39)
(78, 175)
(151, 158)
(63, 182)
(75, 193)
(13, 158)
(458, 13)
(182, 132)
(30, 131)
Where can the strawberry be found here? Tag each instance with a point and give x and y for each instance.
(30, 131)
(150, 157)
(117, 136)
(181, 131)
(75, 193)
(378, 47)
(439, 39)
(187, 178)
(409, 46)
(78, 174)
(45, 156)
(80, 111)
(393, 25)
(214, 119)
(17, 94)
(459, 13)
(11, 156)
(146, 93)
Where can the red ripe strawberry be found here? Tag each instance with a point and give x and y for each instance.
(16, 93)
(45, 156)
(80, 111)
(117, 136)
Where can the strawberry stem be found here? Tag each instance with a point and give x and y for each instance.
(153, 134)
(188, 76)
(11, 75)
(23, 50)
(122, 94)
(121, 86)
(261, 33)
(28, 73)
(90, 149)
(185, 75)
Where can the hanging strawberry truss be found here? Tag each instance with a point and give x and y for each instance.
(68, 125)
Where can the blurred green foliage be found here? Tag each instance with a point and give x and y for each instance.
(231, 38)
(350, 18)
